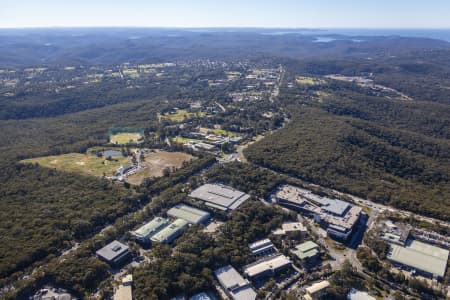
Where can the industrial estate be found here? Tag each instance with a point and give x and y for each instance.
(323, 232)
(225, 176)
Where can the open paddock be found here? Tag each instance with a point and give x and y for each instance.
(88, 164)
(181, 115)
(125, 138)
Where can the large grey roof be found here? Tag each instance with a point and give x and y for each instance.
(112, 250)
(191, 214)
(336, 206)
(219, 196)
(421, 256)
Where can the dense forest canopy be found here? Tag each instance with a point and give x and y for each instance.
(388, 151)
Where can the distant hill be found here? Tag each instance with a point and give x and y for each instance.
(109, 46)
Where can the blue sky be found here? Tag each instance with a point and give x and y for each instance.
(227, 13)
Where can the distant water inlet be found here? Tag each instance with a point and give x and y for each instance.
(111, 153)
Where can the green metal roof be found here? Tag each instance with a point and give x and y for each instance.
(188, 213)
(151, 228)
(306, 250)
(303, 255)
(169, 233)
(307, 246)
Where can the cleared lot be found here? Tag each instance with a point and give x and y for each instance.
(125, 138)
(156, 162)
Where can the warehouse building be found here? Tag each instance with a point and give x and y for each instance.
(262, 247)
(336, 216)
(423, 258)
(234, 285)
(145, 233)
(115, 253)
(219, 196)
(306, 251)
(190, 214)
(267, 267)
(171, 232)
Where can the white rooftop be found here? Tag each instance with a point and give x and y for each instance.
(421, 256)
(317, 287)
(354, 294)
(234, 284)
(290, 227)
(259, 244)
(273, 263)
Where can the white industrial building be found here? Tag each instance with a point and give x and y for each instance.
(264, 246)
(219, 196)
(267, 267)
(234, 285)
(423, 258)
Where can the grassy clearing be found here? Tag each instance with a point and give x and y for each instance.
(80, 163)
(182, 140)
(181, 115)
(305, 80)
(156, 162)
(217, 130)
(125, 138)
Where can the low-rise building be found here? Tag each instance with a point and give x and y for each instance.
(219, 196)
(171, 232)
(291, 227)
(262, 247)
(419, 257)
(115, 253)
(395, 233)
(189, 214)
(306, 251)
(267, 267)
(317, 289)
(234, 285)
(144, 233)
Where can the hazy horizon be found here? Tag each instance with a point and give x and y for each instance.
(282, 14)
